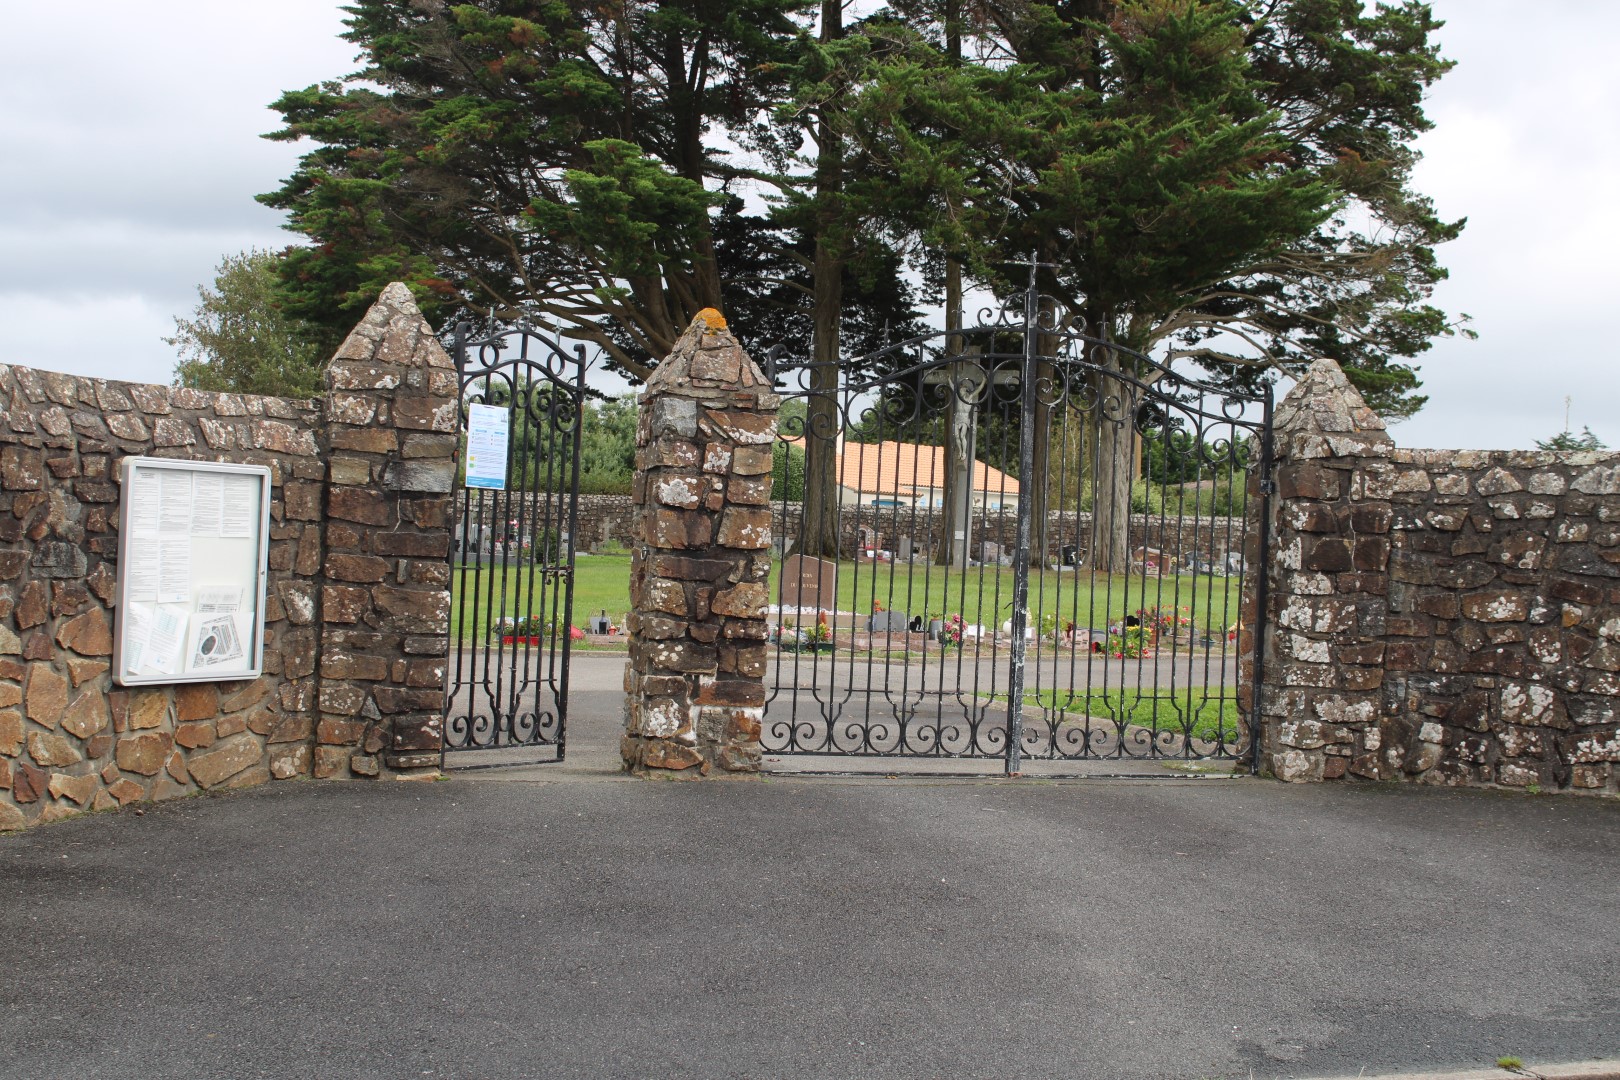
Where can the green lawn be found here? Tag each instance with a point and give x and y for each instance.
(481, 594)
(1210, 718)
(980, 595)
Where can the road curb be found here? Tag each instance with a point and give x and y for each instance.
(1607, 1069)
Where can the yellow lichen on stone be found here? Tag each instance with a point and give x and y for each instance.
(712, 318)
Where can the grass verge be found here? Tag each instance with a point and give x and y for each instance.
(482, 594)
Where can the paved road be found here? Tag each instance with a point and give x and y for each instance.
(565, 921)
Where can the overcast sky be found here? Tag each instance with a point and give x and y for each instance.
(131, 155)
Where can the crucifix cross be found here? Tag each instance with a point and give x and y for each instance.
(1034, 263)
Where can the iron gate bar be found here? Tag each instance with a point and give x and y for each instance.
(1026, 474)
(513, 561)
(1168, 702)
(1265, 486)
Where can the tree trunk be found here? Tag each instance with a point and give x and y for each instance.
(819, 528)
(961, 422)
(1112, 459)
(956, 521)
(1034, 487)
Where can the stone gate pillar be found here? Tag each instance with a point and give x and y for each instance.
(1327, 582)
(392, 421)
(695, 690)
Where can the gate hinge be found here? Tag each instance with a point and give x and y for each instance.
(1268, 486)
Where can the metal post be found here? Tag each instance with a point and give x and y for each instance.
(568, 568)
(1026, 467)
(1262, 596)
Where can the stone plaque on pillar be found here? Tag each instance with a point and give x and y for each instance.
(808, 584)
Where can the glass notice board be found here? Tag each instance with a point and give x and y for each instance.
(193, 544)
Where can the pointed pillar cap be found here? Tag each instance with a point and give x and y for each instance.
(1325, 416)
(709, 364)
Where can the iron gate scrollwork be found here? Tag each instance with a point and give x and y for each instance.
(512, 563)
(1019, 541)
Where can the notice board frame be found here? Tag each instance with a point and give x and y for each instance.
(248, 567)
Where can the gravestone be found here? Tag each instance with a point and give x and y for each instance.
(904, 549)
(808, 583)
(888, 622)
(990, 552)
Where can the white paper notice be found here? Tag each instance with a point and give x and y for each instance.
(174, 512)
(137, 632)
(144, 503)
(167, 641)
(237, 506)
(207, 503)
(217, 642)
(218, 599)
(487, 435)
(141, 570)
(174, 569)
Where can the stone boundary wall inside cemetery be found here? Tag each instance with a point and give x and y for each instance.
(1449, 617)
(356, 606)
(1178, 538)
(606, 520)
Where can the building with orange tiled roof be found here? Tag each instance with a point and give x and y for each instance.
(911, 474)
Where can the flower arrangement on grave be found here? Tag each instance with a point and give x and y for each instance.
(954, 629)
(1056, 628)
(821, 633)
(1165, 620)
(1128, 641)
(524, 630)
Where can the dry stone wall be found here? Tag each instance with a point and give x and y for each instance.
(356, 606)
(611, 519)
(1178, 537)
(695, 691)
(1451, 617)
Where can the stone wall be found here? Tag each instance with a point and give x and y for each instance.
(1450, 617)
(695, 691)
(1179, 537)
(69, 739)
(611, 519)
(602, 519)
(356, 605)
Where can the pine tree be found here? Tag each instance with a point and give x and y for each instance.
(1219, 182)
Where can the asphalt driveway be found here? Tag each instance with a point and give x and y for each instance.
(584, 925)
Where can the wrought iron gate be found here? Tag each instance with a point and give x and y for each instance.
(1016, 541)
(512, 567)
